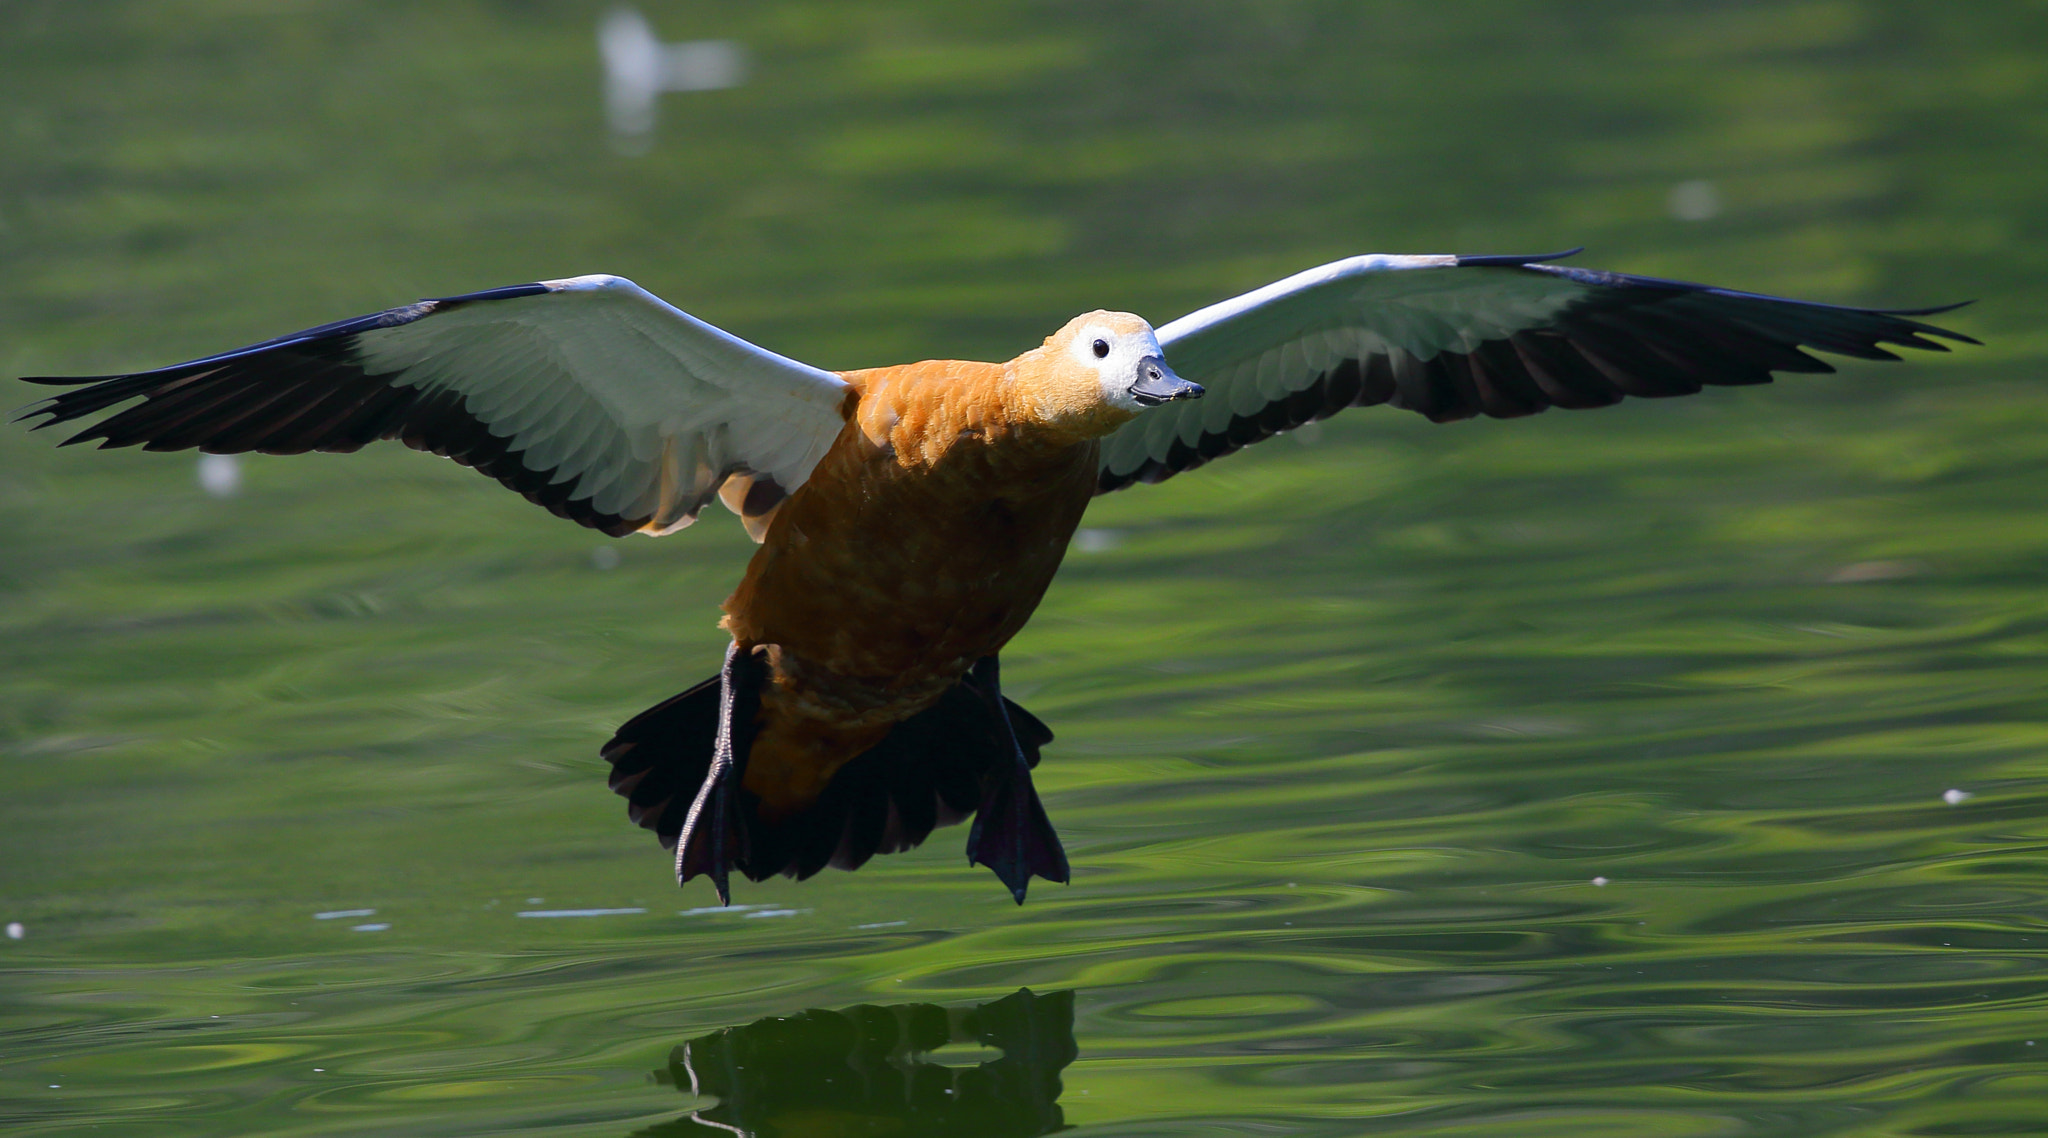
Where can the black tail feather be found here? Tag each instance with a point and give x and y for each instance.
(934, 769)
(659, 759)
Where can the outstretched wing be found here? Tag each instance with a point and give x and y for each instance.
(591, 396)
(1452, 337)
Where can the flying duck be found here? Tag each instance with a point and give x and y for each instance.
(911, 517)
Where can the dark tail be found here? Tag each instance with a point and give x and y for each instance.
(934, 769)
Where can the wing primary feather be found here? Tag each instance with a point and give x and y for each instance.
(1708, 365)
(152, 426)
(1601, 278)
(1241, 433)
(1775, 349)
(154, 409)
(1829, 332)
(1411, 387)
(1754, 345)
(1180, 456)
(1565, 378)
(1340, 388)
(1300, 407)
(1506, 389)
(1625, 363)
(297, 387)
(1709, 354)
(1456, 380)
(379, 417)
(1426, 387)
(71, 405)
(252, 411)
(304, 427)
(1376, 381)
(323, 424)
(1624, 369)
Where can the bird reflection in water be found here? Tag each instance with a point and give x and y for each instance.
(867, 1071)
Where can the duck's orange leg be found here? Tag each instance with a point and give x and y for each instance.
(1011, 833)
(711, 835)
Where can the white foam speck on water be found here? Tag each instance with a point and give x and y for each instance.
(882, 925)
(1097, 540)
(1956, 797)
(777, 913)
(15, 931)
(577, 912)
(337, 914)
(220, 475)
(1695, 200)
(718, 909)
(376, 927)
(1599, 881)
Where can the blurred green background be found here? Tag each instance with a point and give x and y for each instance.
(1348, 724)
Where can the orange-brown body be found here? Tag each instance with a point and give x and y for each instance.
(921, 542)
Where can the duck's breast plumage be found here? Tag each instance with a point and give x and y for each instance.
(921, 542)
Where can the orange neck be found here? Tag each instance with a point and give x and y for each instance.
(921, 410)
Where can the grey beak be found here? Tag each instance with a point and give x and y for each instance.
(1157, 384)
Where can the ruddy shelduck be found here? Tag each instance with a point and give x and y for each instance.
(911, 517)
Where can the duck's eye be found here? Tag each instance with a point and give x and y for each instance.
(1101, 348)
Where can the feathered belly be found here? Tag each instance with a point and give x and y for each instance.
(879, 585)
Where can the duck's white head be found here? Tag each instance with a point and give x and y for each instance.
(1111, 361)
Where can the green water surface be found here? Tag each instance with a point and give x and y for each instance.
(1352, 727)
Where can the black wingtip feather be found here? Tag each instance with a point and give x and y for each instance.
(67, 380)
(1514, 260)
(1934, 311)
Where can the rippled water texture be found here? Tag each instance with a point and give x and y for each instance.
(1583, 775)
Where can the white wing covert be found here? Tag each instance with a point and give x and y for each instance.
(1451, 337)
(590, 396)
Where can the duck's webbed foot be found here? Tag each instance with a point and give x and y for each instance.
(711, 837)
(1011, 834)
